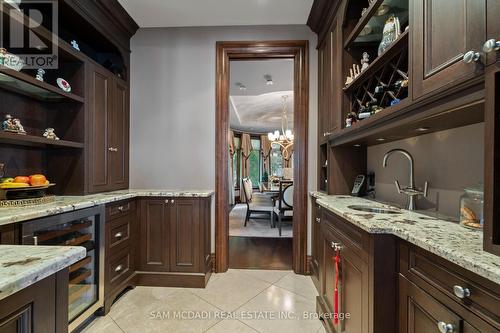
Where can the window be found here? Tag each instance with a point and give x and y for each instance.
(276, 161)
(255, 163)
(236, 163)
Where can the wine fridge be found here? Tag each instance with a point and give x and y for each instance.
(86, 277)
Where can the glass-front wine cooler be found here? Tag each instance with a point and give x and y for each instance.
(86, 277)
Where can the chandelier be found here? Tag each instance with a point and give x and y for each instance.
(286, 137)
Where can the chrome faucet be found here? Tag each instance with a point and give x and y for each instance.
(411, 192)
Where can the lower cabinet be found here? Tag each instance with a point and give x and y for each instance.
(365, 279)
(174, 242)
(41, 307)
(315, 243)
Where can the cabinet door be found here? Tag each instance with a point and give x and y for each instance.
(336, 91)
(322, 102)
(119, 136)
(316, 243)
(442, 32)
(493, 27)
(154, 236)
(100, 97)
(419, 312)
(185, 236)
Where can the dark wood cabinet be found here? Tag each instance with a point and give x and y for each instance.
(154, 235)
(41, 307)
(366, 285)
(316, 242)
(442, 33)
(108, 131)
(174, 241)
(493, 28)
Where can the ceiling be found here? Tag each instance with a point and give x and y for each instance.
(258, 109)
(186, 13)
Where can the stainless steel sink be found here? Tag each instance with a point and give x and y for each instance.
(372, 209)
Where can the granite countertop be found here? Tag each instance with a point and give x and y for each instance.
(65, 204)
(446, 239)
(23, 265)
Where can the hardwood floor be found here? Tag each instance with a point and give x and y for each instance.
(260, 253)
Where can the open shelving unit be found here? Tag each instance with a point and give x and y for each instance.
(36, 141)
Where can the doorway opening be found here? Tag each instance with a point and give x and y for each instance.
(261, 155)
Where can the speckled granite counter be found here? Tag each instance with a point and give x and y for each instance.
(448, 240)
(23, 265)
(70, 203)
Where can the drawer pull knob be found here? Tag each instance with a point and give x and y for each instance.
(118, 268)
(120, 208)
(445, 328)
(172, 201)
(491, 45)
(461, 292)
(471, 56)
(118, 235)
(337, 246)
(318, 220)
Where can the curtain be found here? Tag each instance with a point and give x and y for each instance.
(246, 149)
(232, 150)
(266, 153)
(287, 157)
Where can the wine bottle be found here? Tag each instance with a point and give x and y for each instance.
(380, 89)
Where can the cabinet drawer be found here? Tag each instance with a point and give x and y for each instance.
(119, 209)
(118, 233)
(480, 296)
(119, 268)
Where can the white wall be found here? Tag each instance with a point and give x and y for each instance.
(173, 103)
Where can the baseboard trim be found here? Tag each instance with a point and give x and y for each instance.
(169, 279)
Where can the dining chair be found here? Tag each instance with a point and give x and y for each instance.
(284, 205)
(256, 205)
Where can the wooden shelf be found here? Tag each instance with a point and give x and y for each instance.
(362, 22)
(413, 118)
(24, 84)
(36, 141)
(379, 62)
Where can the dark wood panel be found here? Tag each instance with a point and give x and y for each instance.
(100, 115)
(493, 27)
(316, 243)
(443, 32)
(119, 136)
(260, 253)
(154, 236)
(185, 247)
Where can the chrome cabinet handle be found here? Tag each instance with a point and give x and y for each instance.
(327, 134)
(491, 45)
(461, 292)
(172, 201)
(120, 208)
(471, 56)
(318, 220)
(118, 268)
(113, 149)
(119, 235)
(166, 201)
(337, 246)
(445, 328)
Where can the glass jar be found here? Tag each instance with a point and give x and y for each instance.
(471, 207)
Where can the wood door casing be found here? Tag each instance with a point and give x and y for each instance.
(100, 115)
(154, 236)
(119, 136)
(185, 235)
(443, 31)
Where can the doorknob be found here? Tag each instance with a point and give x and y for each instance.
(445, 328)
(471, 56)
(491, 45)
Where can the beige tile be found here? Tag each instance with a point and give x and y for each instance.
(299, 284)
(102, 325)
(233, 326)
(230, 290)
(321, 329)
(156, 311)
(273, 303)
(270, 276)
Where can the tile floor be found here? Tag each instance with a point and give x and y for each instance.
(245, 301)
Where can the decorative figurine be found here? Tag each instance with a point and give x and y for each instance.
(350, 78)
(354, 72)
(50, 134)
(8, 124)
(75, 45)
(39, 74)
(365, 61)
(351, 119)
(18, 126)
(64, 85)
(392, 30)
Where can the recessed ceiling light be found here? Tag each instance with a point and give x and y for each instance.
(242, 87)
(269, 80)
(423, 129)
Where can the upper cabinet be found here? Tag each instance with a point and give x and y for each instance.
(109, 131)
(447, 41)
(492, 44)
